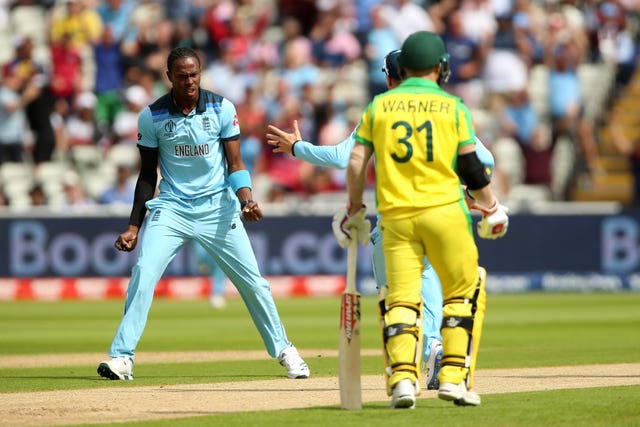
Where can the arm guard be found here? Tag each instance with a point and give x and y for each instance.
(472, 171)
(146, 184)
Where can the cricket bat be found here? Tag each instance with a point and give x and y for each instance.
(349, 345)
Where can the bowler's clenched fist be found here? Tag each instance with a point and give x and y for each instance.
(251, 211)
(127, 241)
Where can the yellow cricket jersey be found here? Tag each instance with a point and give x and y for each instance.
(84, 28)
(415, 131)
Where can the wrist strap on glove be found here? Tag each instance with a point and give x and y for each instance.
(486, 211)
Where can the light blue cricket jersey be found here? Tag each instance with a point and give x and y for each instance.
(191, 152)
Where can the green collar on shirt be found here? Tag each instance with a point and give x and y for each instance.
(419, 81)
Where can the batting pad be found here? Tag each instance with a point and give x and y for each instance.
(403, 343)
(457, 326)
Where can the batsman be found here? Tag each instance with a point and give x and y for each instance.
(424, 143)
(337, 156)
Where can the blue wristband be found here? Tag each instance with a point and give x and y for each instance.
(240, 179)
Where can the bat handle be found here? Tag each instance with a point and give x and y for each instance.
(352, 258)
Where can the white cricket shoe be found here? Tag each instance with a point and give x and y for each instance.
(217, 301)
(432, 365)
(459, 394)
(293, 363)
(404, 395)
(118, 368)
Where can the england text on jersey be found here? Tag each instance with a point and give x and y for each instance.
(188, 150)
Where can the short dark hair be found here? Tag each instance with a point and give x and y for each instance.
(181, 53)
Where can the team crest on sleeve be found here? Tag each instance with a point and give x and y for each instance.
(139, 136)
(235, 120)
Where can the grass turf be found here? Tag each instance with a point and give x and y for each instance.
(521, 330)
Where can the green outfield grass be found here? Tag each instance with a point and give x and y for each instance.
(610, 407)
(523, 330)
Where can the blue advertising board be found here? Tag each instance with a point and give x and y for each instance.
(605, 245)
(76, 247)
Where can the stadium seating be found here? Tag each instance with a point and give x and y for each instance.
(17, 180)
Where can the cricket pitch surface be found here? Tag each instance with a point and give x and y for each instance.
(114, 404)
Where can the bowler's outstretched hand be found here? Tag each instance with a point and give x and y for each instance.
(281, 141)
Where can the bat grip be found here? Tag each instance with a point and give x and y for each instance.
(352, 258)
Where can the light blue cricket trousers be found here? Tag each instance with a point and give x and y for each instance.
(431, 291)
(214, 222)
(216, 274)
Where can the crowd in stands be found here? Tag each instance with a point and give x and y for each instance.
(536, 74)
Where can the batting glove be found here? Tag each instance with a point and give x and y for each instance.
(494, 222)
(346, 227)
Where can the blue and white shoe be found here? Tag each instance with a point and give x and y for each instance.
(118, 368)
(294, 364)
(432, 365)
